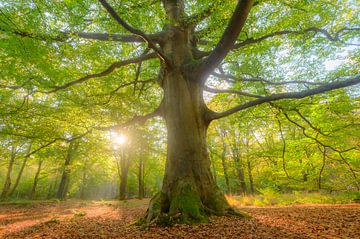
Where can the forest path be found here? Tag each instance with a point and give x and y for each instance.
(111, 219)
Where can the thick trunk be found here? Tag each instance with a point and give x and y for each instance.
(189, 191)
(36, 180)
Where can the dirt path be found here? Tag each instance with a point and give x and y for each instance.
(75, 219)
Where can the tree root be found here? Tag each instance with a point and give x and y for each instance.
(184, 208)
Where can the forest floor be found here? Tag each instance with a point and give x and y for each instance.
(110, 219)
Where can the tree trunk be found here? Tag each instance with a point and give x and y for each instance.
(21, 171)
(124, 168)
(7, 183)
(223, 161)
(83, 181)
(141, 178)
(189, 192)
(36, 180)
(64, 183)
(212, 162)
(239, 170)
(250, 177)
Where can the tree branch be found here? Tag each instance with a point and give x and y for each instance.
(63, 36)
(110, 69)
(311, 29)
(249, 41)
(227, 91)
(135, 120)
(233, 79)
(196, 18)
(290, 95)
(137, 32)
(229, 36)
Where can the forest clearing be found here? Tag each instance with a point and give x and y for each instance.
(110, 219)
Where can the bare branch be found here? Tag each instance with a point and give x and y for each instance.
(227, 91)
(229, 36)
(289, 95)
(233, 79)
(137, 32)
(110, 69)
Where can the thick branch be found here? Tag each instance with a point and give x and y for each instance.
(110, 69)
(137, 32)
(290, 95)
(229, 36)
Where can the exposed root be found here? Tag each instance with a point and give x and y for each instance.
(185, 207)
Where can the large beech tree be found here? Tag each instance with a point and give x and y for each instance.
(189, 45)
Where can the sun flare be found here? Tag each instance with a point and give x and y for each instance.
(119, 139)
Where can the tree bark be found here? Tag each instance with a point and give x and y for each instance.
(141, 178)
(64, 183)
(124, 171)
(189, 192)
(239, 169)
(7, 183)
(36, 180)
(21, 171)
(223, 161)
(252, 190)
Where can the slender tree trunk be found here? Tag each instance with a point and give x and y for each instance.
(36, 180)
(252, 190)
(321, 169)
(141, 178)
(239, 169)
(64, 183)
(7, 183)
(124, 168)
(213, 168)
(83, 181)
(21, 170)
(223, 161)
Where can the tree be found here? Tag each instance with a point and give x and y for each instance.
(189, 192)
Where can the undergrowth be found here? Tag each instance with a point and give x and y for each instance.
(268, 198)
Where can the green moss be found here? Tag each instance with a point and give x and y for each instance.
(186, 205)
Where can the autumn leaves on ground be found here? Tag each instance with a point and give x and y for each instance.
(105, 219)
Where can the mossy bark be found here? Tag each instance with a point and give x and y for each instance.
(189, 193)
